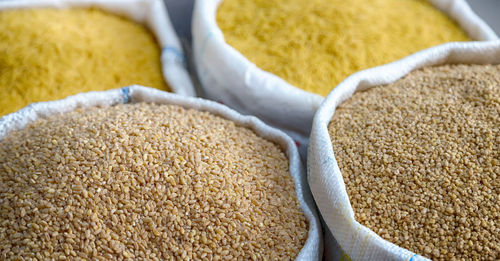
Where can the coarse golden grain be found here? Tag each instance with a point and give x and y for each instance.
(420, 159)
(149, 182)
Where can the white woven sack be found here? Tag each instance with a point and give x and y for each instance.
(313, 248)
(151, 13)
(324, 175)
(228, 77)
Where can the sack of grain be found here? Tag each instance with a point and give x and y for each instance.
(151, 13)
(242, 207)
(230, 77)
(392, 142)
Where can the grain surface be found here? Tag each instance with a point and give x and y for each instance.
(48, 54)
(421, 160)
(316, 44)
(143, 181)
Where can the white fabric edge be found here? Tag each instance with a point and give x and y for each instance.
(152, 13)
(258, 92)
(462, 13)
(267, 91)
(312, 249)
(334, 204)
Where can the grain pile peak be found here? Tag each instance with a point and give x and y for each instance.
(48, 54)
(146, 181)
(421, 160)
(316, 44)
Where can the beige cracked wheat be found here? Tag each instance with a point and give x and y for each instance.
(145, 181)
(420, 160)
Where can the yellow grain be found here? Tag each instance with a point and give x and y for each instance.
(48, 54)
(316, 44)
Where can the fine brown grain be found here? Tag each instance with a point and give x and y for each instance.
(420, 160)
(143, 181)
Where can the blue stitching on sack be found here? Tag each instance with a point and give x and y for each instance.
(126, 94)
(175, 51)
(411, 258)
(205, 42)
(204, 72)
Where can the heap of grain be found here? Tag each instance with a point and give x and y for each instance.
(146, 181)
(420, 160)
(48, 54)
(314, 45)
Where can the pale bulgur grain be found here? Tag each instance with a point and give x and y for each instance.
(421, 160)
(149, 182)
